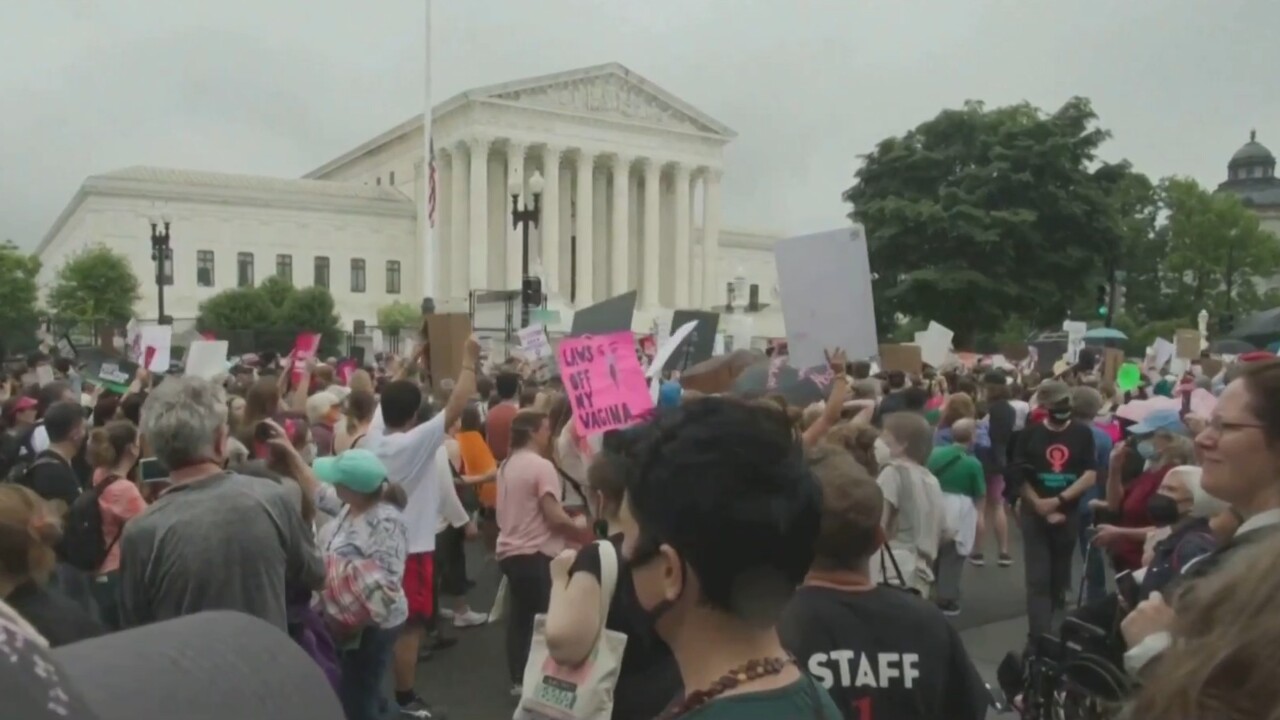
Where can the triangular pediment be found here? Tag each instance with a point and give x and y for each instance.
(607, 91)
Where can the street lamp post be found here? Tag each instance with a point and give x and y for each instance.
(523, 218)
(162, 256)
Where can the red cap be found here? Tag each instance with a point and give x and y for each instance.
(26, 402)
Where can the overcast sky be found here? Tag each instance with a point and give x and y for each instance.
(277, 87)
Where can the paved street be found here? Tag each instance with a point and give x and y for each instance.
(469, 680)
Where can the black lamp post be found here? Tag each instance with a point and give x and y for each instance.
(523, 218)
(162, 256)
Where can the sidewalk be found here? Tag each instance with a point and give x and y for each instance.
(987, 646)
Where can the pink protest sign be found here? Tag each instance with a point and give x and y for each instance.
(346, 368)
(304, 348)
(605, 382)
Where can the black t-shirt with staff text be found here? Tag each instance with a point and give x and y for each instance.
(883, 654)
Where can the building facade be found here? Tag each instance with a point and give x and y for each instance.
(630, 180)
(1251, 175)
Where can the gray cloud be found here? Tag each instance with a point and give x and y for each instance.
(277, 87)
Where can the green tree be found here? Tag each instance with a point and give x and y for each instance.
(95, 285)
(270, 316)
(397, 316)
(1217, 252)
(19, 317)
(312, 310)
(977, 215)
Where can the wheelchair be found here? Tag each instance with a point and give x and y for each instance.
(1068, 677)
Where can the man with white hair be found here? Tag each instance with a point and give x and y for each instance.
(214, 539)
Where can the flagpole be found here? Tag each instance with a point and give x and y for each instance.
(429, 252)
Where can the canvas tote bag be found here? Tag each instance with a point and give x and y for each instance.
(554, 692)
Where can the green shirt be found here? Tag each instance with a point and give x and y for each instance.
(962, 476)
(933, 417)
(790, 702)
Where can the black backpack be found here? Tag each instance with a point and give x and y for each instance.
(14, 462)
(83, 546)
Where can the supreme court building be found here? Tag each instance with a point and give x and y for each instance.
(631, 200)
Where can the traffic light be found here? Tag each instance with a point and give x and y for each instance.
(531, 291)
(1119, 308)
(1102, 299)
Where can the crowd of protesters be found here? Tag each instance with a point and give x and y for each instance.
(761, 560)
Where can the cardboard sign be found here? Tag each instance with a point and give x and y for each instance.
(446, 336)
(66, 348)
(1015, 352)
(1187, 344)
(935, 343)
(667, 350)
(156, 342)
(119, 372)
(1111, 362)
(604, 381)
(305, 347)
(905, 358)
(824, 285)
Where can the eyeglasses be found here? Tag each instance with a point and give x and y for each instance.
(1219, 426)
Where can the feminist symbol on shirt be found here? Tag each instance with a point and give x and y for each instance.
(1057, 455)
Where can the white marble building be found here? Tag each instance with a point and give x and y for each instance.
(631, 200)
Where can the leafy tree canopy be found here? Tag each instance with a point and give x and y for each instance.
(95, 285)
(270, 316)
(19, 316)
(981, 214)
(396, 316)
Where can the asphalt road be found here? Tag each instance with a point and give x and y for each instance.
(470, 682)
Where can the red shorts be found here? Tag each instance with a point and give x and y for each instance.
(419, 585)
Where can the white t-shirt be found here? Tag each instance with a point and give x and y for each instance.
(916, 495)
(571, 461)
(39, 439)
(411, 460)
(1021, 409)
(452, 513)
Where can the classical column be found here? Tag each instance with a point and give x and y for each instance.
(479, 208)
(549, 223)
(680, 175)
(444, 284)
(649, 252)
(710, 234)
(515, 241)
(585, 261)
(459, 260)
(620, 274)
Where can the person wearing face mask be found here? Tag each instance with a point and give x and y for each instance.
(113, 451)
(719, 524)
(1052, 468)
(1163, 447)
(649, 679)
(226, 541)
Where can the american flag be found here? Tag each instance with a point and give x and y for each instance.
(431, 184)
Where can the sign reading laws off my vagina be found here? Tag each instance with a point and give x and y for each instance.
(605, 382)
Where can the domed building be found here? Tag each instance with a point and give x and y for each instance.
(1251, 175)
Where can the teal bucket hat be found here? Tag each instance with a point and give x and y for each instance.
(358, 470)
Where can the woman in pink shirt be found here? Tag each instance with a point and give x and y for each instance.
(113, 451)
(533, 527)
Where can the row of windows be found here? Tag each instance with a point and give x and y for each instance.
(284, 270)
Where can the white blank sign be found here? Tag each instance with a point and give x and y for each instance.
(824, 283)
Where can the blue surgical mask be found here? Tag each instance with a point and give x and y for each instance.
(1147, 450)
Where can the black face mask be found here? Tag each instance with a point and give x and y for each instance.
(1163, 510)
(1060, 414)
(646, 552)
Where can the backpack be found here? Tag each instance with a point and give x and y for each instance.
(83, 546)
(14, 463)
